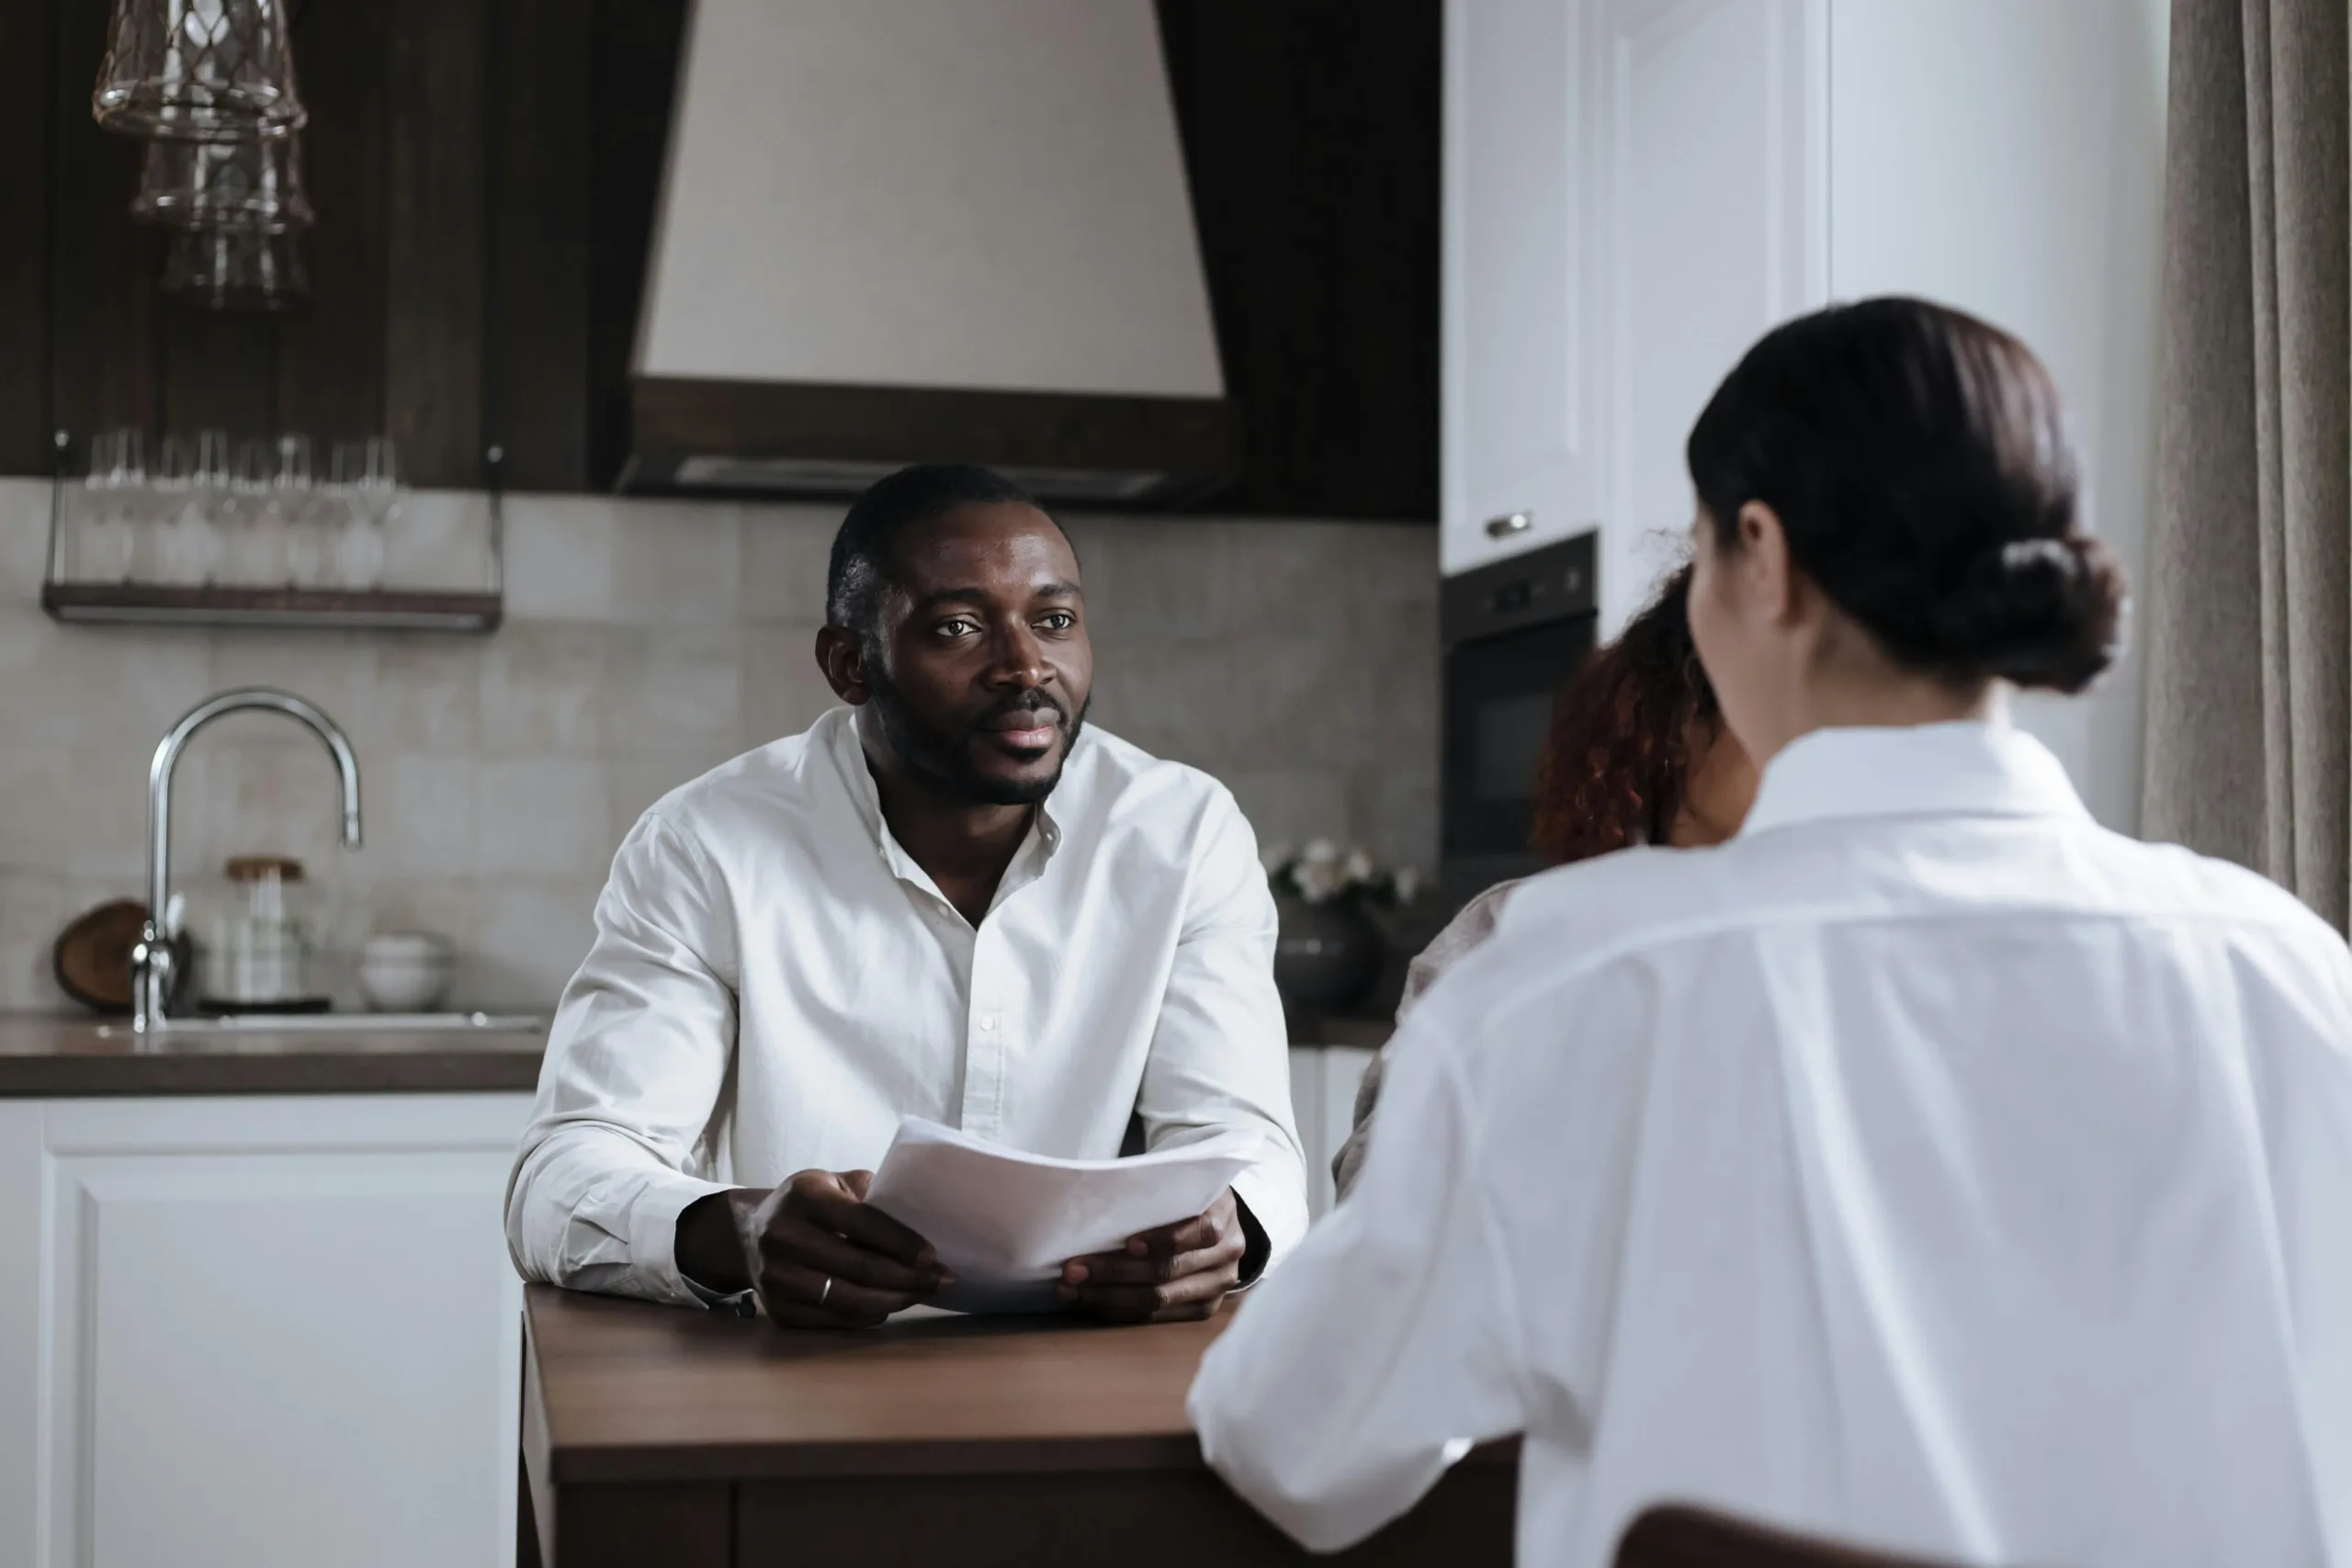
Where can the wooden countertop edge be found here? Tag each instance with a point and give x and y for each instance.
(622, 1466)
(352, 1072)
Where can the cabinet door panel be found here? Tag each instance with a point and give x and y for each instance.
(1716, 168)
(1516, 369)
(259, 1332)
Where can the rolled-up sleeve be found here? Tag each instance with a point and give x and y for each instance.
(1220, 1054)
(631, 1088)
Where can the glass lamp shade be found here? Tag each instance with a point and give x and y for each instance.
(198, 71)
(238, 267)
(224, 184)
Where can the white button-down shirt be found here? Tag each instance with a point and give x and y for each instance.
(1927, 1166)
(774, 982)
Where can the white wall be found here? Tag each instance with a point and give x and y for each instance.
(2007, 156)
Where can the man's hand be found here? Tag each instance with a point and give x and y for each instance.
(816, 1254)
(1171, 1274)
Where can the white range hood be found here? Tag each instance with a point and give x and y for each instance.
(902, 230)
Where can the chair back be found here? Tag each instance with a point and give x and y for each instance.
(1676, 1535)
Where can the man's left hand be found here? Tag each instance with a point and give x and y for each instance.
(1171, 1274)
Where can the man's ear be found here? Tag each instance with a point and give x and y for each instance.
(841, 656)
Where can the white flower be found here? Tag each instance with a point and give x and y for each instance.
(1320, 852)
(1359, 866)
(1408, 883)
(1318, 880)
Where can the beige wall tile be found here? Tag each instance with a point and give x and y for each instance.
(1151, 578)
(543, 690)
(676, 564)
(542, 817)
(422, 815)
(530, 934)
(787, 552)
(34, 908)
(674, 690)
(784, 691)
(1289, 806)
(560, 558)
(24, 539)
(438, 538)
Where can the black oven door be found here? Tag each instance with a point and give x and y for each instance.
(1517, 631)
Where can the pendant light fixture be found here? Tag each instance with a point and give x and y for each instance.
(198, 71)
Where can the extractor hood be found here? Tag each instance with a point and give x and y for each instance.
(898, 231)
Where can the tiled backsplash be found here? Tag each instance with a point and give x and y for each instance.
(645, 642)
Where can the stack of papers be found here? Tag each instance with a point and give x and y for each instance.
(1006, 1222)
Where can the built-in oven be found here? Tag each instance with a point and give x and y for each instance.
(1514, 633)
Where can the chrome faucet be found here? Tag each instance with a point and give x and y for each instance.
(152, 960)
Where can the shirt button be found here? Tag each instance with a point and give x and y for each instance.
(988, 1023)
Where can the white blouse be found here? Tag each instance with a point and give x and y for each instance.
(1927, 1166)
(774, 982)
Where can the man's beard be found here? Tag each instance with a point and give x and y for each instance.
(945, 759)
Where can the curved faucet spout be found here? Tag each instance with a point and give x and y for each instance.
(152, 960)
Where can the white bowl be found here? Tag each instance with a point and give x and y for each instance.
(405, 971)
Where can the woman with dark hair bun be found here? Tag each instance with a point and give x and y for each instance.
(1927, 1165)
(1636, 754)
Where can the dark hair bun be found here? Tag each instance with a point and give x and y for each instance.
(1918, 462)
(2041, 613)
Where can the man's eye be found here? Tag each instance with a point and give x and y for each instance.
(1060, 621)
(956, 627)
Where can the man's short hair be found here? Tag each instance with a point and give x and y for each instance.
(862, 549)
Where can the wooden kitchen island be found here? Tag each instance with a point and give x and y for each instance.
(654, 1434)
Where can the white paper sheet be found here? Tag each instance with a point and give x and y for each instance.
(1006, 1222)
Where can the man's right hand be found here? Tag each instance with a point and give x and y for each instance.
(816, 1254)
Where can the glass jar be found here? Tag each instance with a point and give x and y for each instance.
(257, 951)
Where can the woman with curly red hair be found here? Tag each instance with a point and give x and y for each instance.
(1638, 754)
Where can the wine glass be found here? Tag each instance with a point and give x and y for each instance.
(252, 539)
(370, 470)
(296, 511)
(175, 516)
(106, 547)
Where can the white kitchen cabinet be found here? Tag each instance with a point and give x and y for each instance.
(1714, 163)
(255, 1331)
(1518, 394)
(1637, 189)
(1323, 1084)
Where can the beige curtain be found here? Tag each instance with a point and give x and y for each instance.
(2246, 628)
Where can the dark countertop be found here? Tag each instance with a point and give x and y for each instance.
(44, 1057)
(55, 1058)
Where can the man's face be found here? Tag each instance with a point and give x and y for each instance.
(980, 668)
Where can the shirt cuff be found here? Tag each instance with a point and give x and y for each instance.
(653, 1237)
(1273, 1190)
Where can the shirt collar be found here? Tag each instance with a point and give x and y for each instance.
(838, 730)
(1927, 770)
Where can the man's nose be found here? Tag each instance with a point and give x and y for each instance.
(1020, 659)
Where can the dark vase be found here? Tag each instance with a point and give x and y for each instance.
(1326, 955)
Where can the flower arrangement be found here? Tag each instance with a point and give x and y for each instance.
(1323, 873)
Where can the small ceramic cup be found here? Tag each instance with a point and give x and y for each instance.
(405, 971)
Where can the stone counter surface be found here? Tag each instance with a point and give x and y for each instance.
(71, 1058)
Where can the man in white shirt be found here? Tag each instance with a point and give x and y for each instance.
(948, 898)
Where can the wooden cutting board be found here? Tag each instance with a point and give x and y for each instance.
(92, 958)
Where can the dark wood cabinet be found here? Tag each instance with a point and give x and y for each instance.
(485, 172)
(451, 227)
